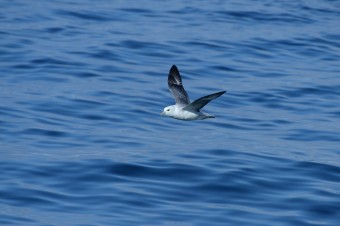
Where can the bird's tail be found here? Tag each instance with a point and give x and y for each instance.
(209, 116)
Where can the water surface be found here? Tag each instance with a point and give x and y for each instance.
(83, 84)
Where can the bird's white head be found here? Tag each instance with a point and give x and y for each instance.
(168, 111)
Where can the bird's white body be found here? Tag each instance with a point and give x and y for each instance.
(177, 112)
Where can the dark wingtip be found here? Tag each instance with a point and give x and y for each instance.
(173, 68)
(175, 72)
(222, 92)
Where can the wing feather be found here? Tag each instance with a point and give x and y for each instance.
(201, 102)
(176, 87)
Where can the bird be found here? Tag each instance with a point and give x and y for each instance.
(184, 109)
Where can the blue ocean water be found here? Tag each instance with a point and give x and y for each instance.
(83, 83)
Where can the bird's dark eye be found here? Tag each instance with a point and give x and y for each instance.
(168, 110)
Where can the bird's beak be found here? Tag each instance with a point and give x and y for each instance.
(162, 114)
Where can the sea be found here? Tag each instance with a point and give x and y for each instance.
(83, 83)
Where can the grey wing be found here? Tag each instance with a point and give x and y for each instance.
(201, 102)
(176, 87)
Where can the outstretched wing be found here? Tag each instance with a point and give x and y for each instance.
(201, 102)
(176, 87)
